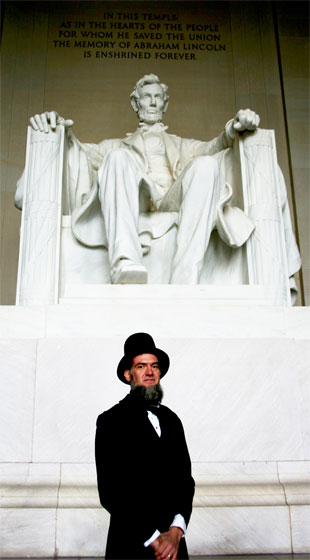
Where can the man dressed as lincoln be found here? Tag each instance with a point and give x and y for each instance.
(143, 464)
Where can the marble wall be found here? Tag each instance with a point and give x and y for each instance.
(243, 396)
(37, 77)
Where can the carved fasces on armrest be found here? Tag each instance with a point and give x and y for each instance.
(38, 269)
(266, 252)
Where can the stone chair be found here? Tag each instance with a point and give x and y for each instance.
(54, 266)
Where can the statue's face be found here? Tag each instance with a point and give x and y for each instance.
(151, 103)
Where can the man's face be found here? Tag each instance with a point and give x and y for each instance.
(144, 372)
(151, 103)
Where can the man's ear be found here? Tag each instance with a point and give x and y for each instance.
(127, 375)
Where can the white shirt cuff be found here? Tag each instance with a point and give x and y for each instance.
(155, 535)
(179, 522)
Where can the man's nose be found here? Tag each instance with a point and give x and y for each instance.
(153, 101)
(149, 370)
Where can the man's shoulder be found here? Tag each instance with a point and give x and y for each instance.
(166, 412)
(111, 414)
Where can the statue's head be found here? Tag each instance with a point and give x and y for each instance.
(149, 99)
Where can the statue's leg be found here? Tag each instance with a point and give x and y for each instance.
(119, 179)
(201, 186)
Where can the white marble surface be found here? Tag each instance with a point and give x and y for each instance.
(300, 520)
(241, 400)
(164, 315)
(78, 486)
(224, 530)
(297, 322)
(75, 383)
(81, 532)
(67, 486)
(27, 533)
(293, 468)
(17, 381)
(22, 322)
(235, 506)
(302, 374)
(188, 312)
(211, 294)
(29, 485)
(249, 397)
(40, 188)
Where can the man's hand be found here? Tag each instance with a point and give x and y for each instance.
(167, 544)
(48, 121)
(245, 119)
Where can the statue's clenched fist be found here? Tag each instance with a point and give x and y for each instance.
(246, 119)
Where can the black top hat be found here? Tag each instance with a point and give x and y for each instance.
(141, 343)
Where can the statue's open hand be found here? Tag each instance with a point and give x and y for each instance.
(246, 119)
(48, 121)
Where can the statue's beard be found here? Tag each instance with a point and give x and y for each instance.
(152, 118)
(149, 395)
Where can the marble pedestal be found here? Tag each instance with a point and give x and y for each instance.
(239, 379)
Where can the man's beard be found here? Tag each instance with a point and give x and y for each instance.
(149, 395)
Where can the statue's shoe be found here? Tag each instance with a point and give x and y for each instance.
(130, 274)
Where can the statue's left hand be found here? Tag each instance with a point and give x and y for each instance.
(245, 119)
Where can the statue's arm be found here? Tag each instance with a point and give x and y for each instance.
(245, 119)
(84, 159)
(18, 199)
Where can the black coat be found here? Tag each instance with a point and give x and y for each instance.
(143, 480)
